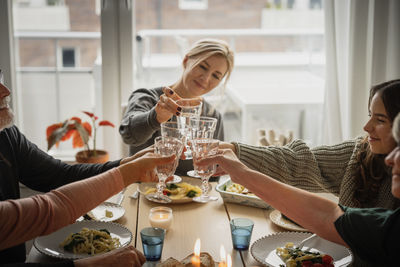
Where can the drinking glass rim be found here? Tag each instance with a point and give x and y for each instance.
(164, 125)
(189, 106)
(244, 222)
(155, 229)
(204, 118)
(166, 137)
(205, 138)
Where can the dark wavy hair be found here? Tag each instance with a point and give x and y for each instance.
(371, 169)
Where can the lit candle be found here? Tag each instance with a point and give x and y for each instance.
(161, 217)
(223, 257)
(229, 261)
(196, 257)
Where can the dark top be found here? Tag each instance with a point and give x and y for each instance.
(372, 234)
(23, 162)
(139, 125)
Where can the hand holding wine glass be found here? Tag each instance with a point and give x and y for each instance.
(165, 146)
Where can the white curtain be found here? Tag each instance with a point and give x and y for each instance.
(362, 49)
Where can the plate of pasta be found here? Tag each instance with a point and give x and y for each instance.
(268, 250)
(83, 239)
(178, 193)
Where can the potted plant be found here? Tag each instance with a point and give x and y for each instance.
(80, 132)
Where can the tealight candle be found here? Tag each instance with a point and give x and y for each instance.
(195, 260)
(161, 217)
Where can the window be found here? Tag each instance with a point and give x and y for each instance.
(68, 57)
(57, 46)
(279, 60)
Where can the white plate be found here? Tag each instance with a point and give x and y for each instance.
(277, 218)
(99, 213)
(144, 186)
(264, 249)
(193, 174)
(50, 244)
(177, 179)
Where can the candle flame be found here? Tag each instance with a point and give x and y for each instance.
(229, 261)
(222, 253)
(197, 248)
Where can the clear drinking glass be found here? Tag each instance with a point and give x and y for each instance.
(172, 129)
(202, 148)
(190, 108)
(201, 127)
(165, 146)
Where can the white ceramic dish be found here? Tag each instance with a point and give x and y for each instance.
(143, 187)
(193, 174)
(50, 244)
(264, 249)
(177, 179)
(277, 218)
(99, 213)
(237, 198)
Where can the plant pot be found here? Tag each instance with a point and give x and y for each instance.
(88, 157)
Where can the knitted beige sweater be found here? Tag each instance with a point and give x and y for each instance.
(320, 169)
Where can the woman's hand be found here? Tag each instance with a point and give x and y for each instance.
(142, 152)
(228, 163)
(127, 256)
(167, 107)
(225, 145)
(143, 168)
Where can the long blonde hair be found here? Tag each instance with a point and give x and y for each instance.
(206, 48)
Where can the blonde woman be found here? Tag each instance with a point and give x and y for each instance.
(205, 66)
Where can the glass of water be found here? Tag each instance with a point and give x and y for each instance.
(152, 242)
(202, 148)
(191, 108)
(165, 146)
(241, 230)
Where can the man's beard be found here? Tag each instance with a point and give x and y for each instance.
(6, 115)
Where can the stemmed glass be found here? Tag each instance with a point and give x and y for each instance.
(165, 146)
(191, 108)
(172, 129)
(202, 148)
(201, 127)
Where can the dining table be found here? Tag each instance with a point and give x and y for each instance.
(210, 222)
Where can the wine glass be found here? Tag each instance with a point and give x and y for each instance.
(201, 127)
(172, 129)
(191, 107)
(202, 148)
(165, 146)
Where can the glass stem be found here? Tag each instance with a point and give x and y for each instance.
(160, 187)
(205, 186)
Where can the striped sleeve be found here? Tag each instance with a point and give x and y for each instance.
(320, 169)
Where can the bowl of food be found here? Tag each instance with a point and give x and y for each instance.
(236, 193)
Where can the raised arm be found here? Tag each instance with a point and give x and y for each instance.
(318, 169)
(42, 214)
(139, 122)
(313, 212)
